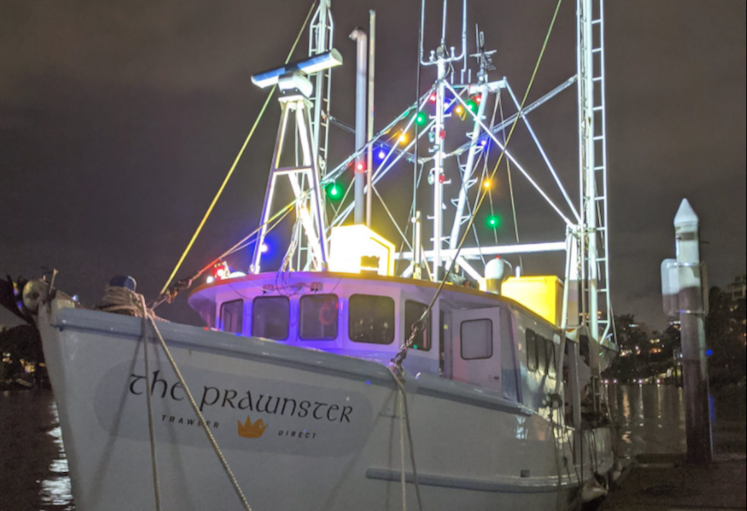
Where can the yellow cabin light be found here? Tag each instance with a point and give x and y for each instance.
(542, 295)
(349, 244)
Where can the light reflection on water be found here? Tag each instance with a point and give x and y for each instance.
(34, 470)
(56, 489)
(651, 419)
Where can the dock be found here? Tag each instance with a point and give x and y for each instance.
(667, 483)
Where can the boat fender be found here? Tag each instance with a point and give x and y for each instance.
(34, 294)
(593, 491)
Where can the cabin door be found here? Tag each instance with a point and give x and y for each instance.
(477, 347)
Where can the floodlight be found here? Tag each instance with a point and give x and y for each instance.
(307, 66)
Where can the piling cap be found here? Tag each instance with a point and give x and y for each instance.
(686, 215)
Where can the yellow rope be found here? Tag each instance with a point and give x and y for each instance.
(236, 161)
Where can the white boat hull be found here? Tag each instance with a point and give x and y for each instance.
(332, 437)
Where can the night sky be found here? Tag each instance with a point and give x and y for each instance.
(118, 121)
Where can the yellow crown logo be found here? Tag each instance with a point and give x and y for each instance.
(249, 430)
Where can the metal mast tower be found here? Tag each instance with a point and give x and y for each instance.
(442, 58)
(321, 37)
(594, 235)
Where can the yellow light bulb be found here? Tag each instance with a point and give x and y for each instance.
(403, 139)
(487, 184)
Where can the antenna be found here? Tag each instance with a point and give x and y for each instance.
(441, 57)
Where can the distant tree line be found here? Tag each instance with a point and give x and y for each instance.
(726, 337)
(20, 346)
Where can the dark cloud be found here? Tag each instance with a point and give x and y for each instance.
(118, 122)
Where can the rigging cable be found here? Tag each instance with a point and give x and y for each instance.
(236, 161)
(511, 186)
(485, 167)
(170, 294)
(419, 325)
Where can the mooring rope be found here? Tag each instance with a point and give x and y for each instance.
(205, 427)
(403, 465)
(403, 394)
(151, 429)
(125, 301)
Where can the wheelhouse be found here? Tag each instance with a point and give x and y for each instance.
(470, 337)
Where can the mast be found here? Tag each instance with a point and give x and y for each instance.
(321, 37)
(593, 235)
(442, 57)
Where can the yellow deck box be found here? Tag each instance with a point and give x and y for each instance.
(542, 295)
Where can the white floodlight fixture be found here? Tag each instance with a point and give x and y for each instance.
(307, 66)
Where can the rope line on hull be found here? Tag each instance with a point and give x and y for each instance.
(124, 301)
(218, 452)
(151, 431)
(398, 379)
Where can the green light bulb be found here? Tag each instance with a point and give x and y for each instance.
(334, 191)
(493, 221)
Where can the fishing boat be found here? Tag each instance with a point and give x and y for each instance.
(357, 376)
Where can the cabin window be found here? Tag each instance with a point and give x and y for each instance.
(531, 350)
(541, 355)
(232, 316)
(318, 317)
(477, 339)
(413, 312)
(371, 319)
(552, 369)
(270, 317)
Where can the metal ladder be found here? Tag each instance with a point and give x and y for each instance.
(593, 154)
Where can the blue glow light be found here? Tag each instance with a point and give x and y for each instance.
(709, 352)
(382, 154)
